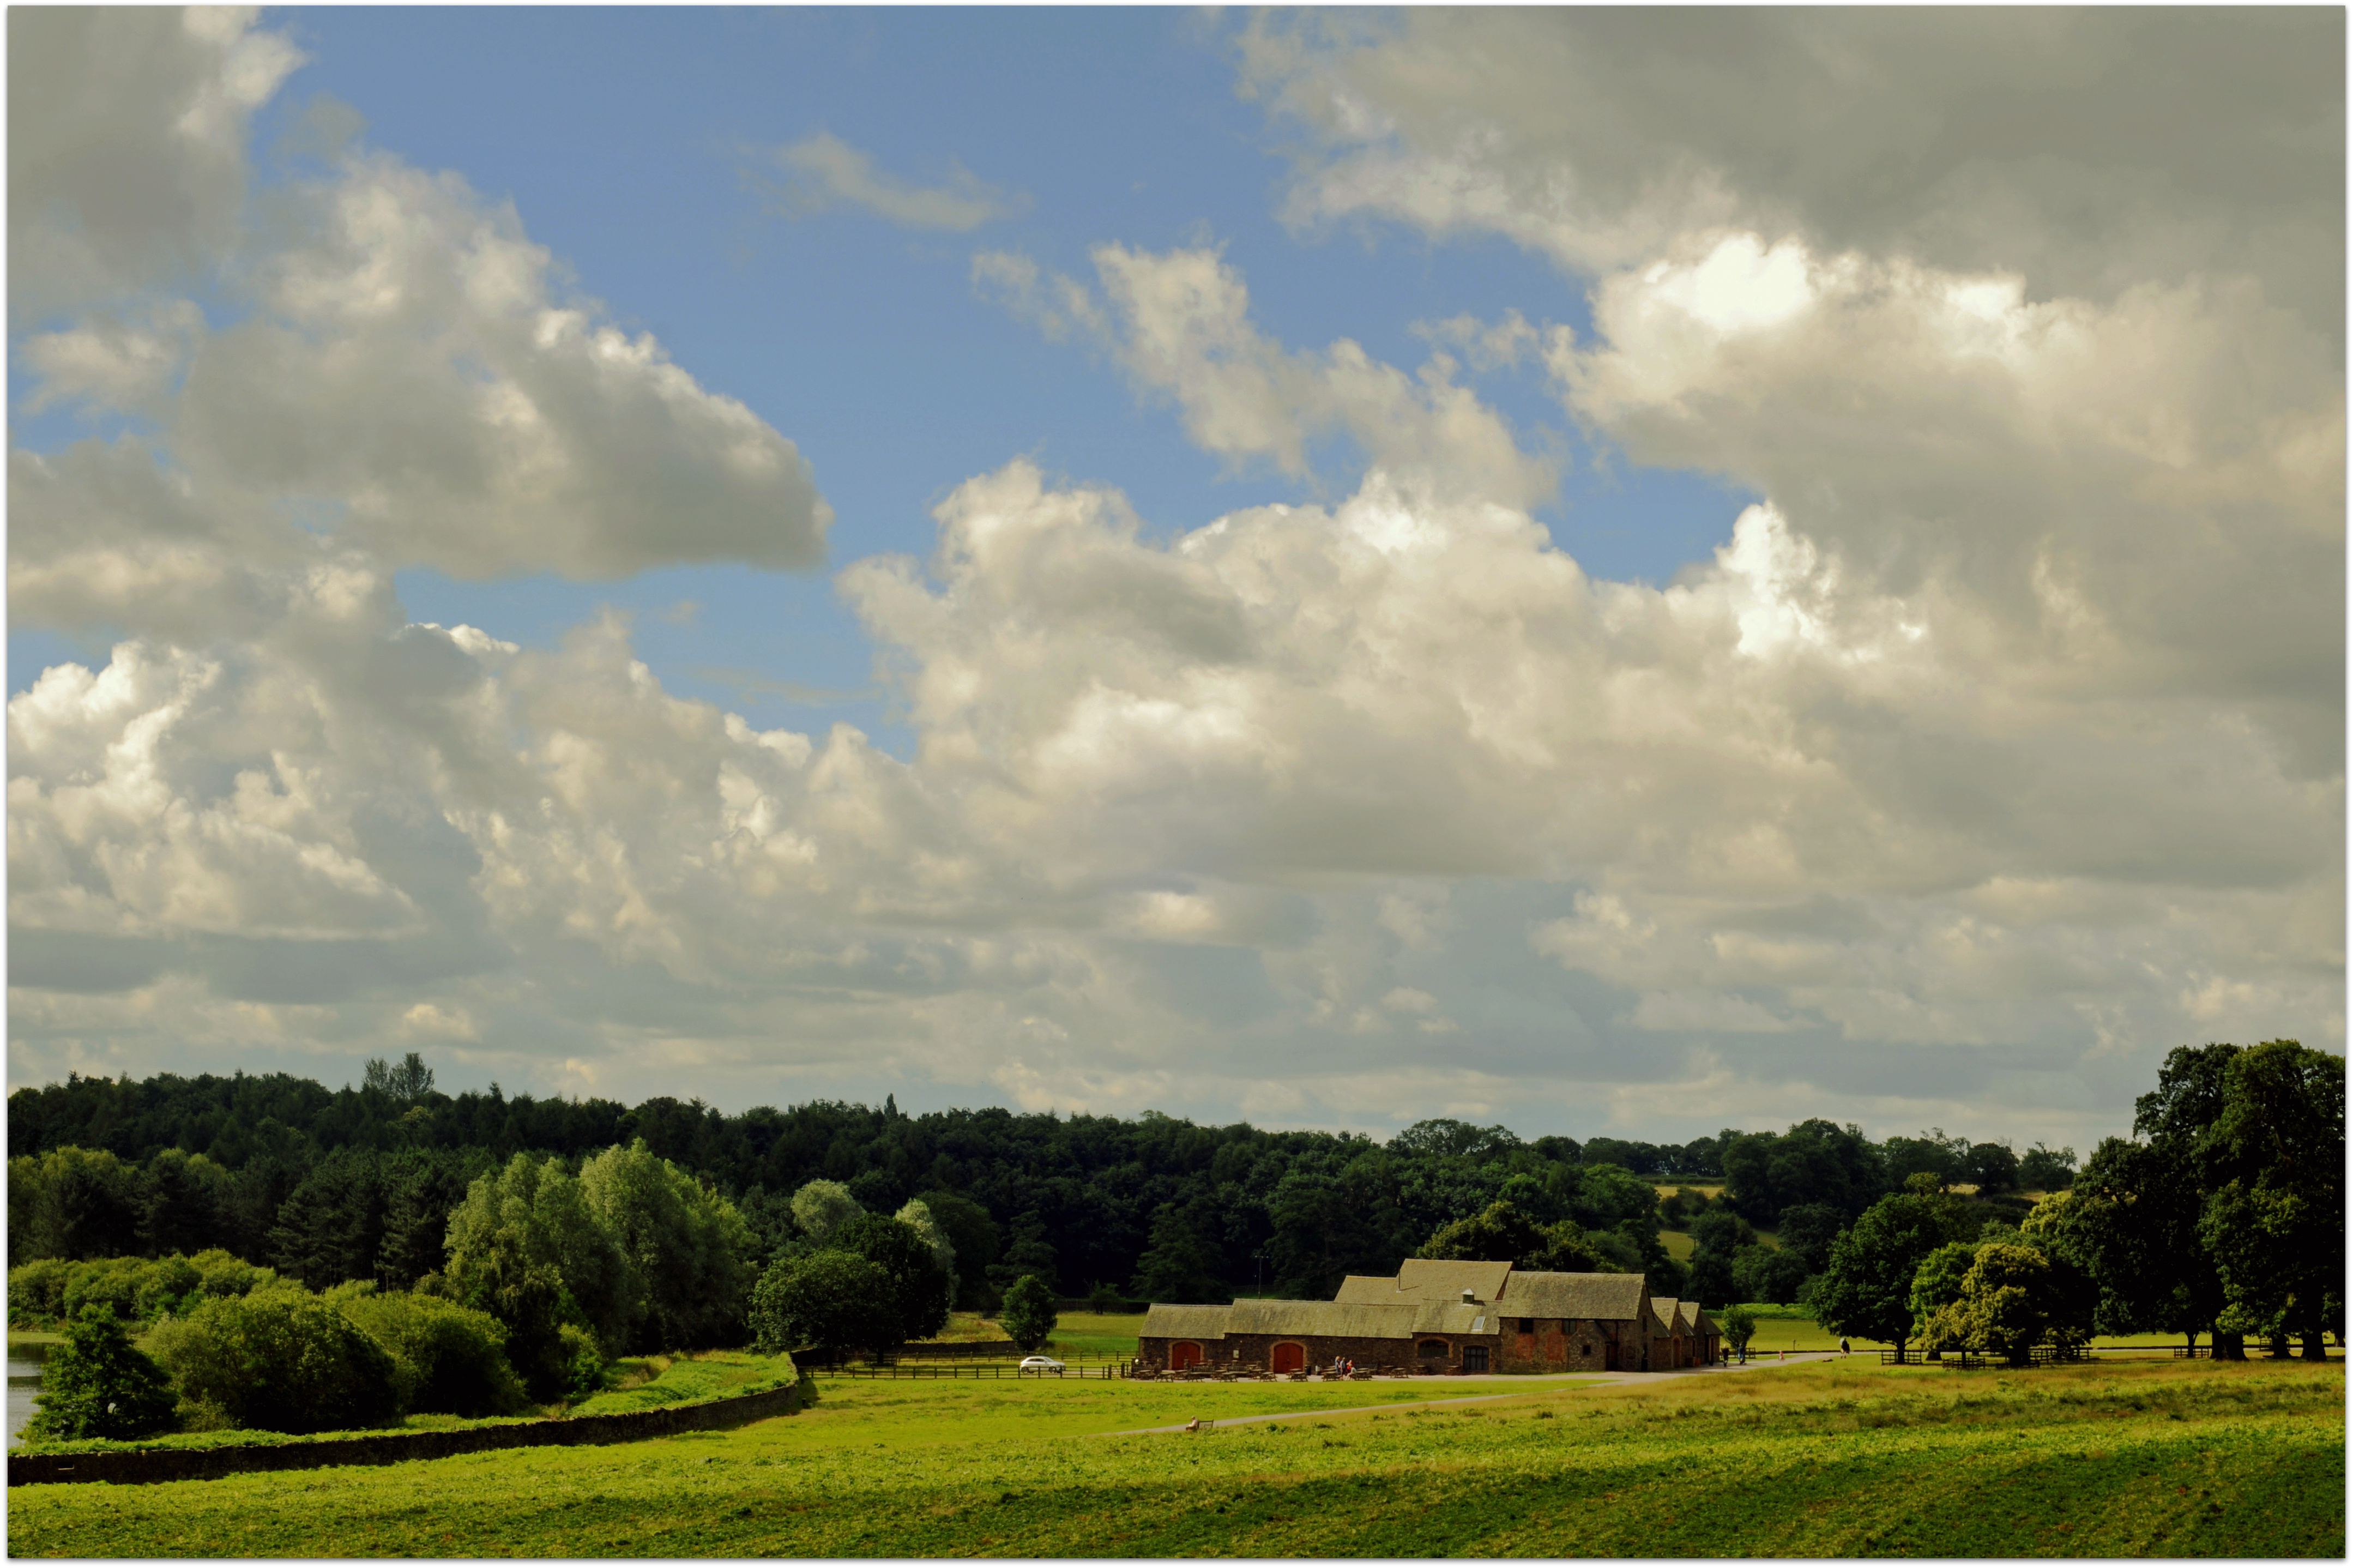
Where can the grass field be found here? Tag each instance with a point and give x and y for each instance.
(1096, 1334)
(1820, 1460)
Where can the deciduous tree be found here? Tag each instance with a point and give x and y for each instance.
(1027, 1316)
(1866, 1289)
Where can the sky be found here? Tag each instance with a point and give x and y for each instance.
(1616, 572)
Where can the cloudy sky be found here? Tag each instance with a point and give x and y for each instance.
(1621, 571)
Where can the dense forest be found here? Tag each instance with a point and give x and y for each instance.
(357, 1182)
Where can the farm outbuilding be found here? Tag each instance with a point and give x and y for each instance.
(1440, 1316)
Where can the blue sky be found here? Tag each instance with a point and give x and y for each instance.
(865, 342)
(1559, 567)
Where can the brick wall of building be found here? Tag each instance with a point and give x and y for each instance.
(1569, 1344)
(1255, 1353)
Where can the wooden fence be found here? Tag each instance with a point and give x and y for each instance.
(954, 1369)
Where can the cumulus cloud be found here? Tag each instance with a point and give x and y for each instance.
(1997, 747)
(126, 145)
(1178, 324)
(2091, 150)
(403, 379)
(822, 171)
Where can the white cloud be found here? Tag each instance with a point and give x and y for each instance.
(1998, 747)
(1178, 324)
(126, 145)
(404, 378)
(821, 170)
(2091, 150)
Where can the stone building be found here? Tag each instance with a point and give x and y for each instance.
(1439, 1316)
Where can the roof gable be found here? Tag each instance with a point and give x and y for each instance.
(1368, 1288)
(1431, 1278)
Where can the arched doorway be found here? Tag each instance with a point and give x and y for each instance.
(1289, 1356)
(1182, 1354)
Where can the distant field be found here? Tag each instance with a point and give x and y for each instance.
(1105, 1334)
(1820, 1459)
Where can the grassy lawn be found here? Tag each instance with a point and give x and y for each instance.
(643, 1383)
(2154, 1459)
(1109, 1334)
(1103, 1335)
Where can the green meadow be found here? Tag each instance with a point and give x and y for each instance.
(1818, 1459)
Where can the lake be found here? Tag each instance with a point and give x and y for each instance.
(23, 1385)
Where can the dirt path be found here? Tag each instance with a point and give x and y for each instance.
(1574, 1379)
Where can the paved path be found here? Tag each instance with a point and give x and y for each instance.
(1577, 1379)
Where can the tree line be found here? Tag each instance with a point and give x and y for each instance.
(2222, 1216)
(360, 1183)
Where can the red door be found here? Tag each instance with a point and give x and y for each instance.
(1182, 1354)
(1289, 1356)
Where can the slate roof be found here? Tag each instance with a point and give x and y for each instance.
(1430, 1278)
(1338, 1320)
(1458, 1318)
(1670, 1317)
(1182, 1322)
(1702, 1323)
(1368, 1288)
(1601, 1297)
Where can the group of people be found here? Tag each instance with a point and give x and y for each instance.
(1342, 1366)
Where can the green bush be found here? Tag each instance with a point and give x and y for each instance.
(140, 1289)
(280, 1360)
(37, 1292)
(446, 1358)
(107, 1281)
(169, 1286)
(225, 1274)
(97, 1386)
(581, 1360)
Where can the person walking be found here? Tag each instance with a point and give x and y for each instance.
(1844, 1349)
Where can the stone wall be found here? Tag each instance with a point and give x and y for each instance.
(393, 1447)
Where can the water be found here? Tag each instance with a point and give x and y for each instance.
(23, 1385)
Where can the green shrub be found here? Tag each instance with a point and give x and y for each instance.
(140, 1289)
(169, 1286)
(280, 1360)
(446, 1358)
(97, 1386)
(225, 1274)
(107, 1281)
(37, 1292)
(583, 1360)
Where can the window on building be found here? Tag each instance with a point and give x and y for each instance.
(1527, 1325)
(1474, 1358)
(1433, 1348)
(1584, 1349)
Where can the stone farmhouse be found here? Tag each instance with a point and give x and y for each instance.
(1442, 1317)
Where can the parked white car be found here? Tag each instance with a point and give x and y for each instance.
(1041, 1365)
